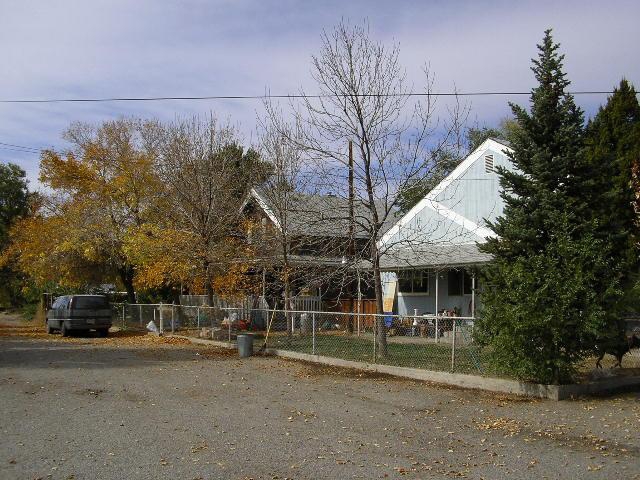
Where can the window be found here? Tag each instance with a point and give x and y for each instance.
(459, 282)
(488, 164)
(466, 283)
(413, 281)
(61, 302)
(454, 281)
(97, 302)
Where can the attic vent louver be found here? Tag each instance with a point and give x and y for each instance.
(488, 164)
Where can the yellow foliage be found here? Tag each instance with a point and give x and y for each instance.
(107, 214)
(98, 195)
(38, 248)
(162, 255)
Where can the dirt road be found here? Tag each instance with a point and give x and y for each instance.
(142, 407)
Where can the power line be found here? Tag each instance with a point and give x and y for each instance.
(19, 148)
(293, 96)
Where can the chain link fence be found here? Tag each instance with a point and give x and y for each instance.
(441, 343)
(433, 343)
(428, 342)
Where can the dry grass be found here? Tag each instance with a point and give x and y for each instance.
(32, 331)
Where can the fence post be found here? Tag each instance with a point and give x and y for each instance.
(313, 333)
(229, 322)
(437, 331)
(453, 346)
(161, 320)
(140, 314)
(173, 328)
(123, 320)
(198, 317)
(375, 333)
(211, 318)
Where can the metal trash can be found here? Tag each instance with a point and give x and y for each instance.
(305, 323)
(245, 344)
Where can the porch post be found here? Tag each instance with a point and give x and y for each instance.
(437, 277)
(437, 333)
(473, 295)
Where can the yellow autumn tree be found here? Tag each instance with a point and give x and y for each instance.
(163, 255)
(40, 248)
(148, 204)
(101, 191)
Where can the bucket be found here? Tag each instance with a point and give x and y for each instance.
(245, 345)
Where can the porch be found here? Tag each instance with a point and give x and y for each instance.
(450, 291)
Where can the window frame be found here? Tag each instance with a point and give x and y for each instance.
(458, 283)
(416, 275)
(467, 276)
(466, 285)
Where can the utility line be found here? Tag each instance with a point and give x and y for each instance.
(18, 148)
(293, 96)
(25, 149)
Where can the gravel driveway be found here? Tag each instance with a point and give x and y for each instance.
(91, 408)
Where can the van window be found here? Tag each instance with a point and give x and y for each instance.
(61, 302)
(96, 302)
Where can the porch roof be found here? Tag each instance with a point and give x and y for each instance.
(434, 256)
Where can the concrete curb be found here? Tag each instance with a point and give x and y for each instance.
(476, 382)
(204, 341)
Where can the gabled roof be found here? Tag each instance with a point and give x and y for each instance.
(444, 213)
(449, 255)
(320, 215)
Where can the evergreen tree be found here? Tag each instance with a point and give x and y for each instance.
(14, 198)
(543, 305)
(612, 147)
(14, 203)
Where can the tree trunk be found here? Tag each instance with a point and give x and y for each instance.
(351, 249)
(208, 289)
(126, 277)
(381, 329)
(287, 301)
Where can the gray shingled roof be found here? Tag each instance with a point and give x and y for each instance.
(506, 143)
(324, 215)
(433, 256)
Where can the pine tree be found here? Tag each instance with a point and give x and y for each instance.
(612, 147)
(546, 287)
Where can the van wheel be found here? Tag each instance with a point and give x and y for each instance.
(49, 329)
(103, 332)
(64, 331)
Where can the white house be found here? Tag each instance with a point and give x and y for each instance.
(429, 257)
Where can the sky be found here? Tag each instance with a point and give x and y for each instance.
(142, 48)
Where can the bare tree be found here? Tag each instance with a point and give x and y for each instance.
(208, 174)
(364, 98)
(309, 234)
(280, 192)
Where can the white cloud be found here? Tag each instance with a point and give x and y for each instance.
(149, 48)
